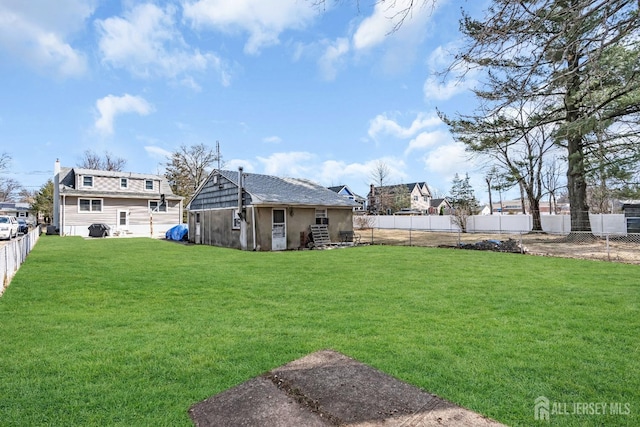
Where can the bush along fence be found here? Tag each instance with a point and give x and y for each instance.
(14, 253)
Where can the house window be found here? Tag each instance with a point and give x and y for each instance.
(90, 205)
(87, 181)
(124, 183)
(415, 198)
(148, 184)
(156, 206)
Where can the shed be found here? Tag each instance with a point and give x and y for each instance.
(632, 216)
(264, 212)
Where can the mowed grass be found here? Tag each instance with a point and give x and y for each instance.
(134, 331)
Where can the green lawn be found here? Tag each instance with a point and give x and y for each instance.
(134, 331)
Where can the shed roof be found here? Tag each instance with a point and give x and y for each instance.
(268, 189)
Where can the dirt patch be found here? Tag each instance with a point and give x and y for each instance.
(618, 249)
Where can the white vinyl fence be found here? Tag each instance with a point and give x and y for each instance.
(601, 224)
(13, 254)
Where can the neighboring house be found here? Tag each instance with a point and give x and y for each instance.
(345, 191)
(275, 213)
(514, 207)
(381, 199)
(19, 210)
(130, 204)
(440, 206)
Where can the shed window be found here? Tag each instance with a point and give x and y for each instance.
(235, 220)
(321, 216)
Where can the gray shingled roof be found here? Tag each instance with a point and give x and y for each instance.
(267, 189)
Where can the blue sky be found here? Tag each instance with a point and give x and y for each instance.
(287, 88)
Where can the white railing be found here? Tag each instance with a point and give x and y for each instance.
(13, 254)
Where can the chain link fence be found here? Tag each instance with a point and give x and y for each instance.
(618, 247)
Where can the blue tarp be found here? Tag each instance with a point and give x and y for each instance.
(177, 232)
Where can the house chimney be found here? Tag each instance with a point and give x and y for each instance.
(241, 212)
(372, 199)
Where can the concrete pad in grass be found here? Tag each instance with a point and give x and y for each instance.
(329, 388)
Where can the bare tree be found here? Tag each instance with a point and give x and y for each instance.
(26, 196)
(188, 167)
(379, 196)
(519, 147)
(5, 159)
(380, 172)
(9, 189)
(106, 162)
(551, 183)
(488, 178)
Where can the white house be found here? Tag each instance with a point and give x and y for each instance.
(129, 203)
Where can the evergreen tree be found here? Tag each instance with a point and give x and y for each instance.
(43, 201)
(463, 201)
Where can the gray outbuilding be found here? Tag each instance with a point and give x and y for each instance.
(263, 212)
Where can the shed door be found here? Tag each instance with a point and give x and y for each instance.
(278, 231)
(197, 240)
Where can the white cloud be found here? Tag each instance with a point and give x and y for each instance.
(264, 21)
(382, 124)
(234, 164)
(456, 81)
(425, 140)
(295, 164)
(37, 32)
(336, 172)
(273, 139)
(147, 43)
(157, 152)
(399, 32)
(333, 57)
(374, 29)
(110, 106)
(437, 89)
(447, 160)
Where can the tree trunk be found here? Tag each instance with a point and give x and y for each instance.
(490, 202)
(522, 203)
(577, 186)
(576, 182)
(534, 210)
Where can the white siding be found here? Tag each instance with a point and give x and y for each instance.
(76, 223)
